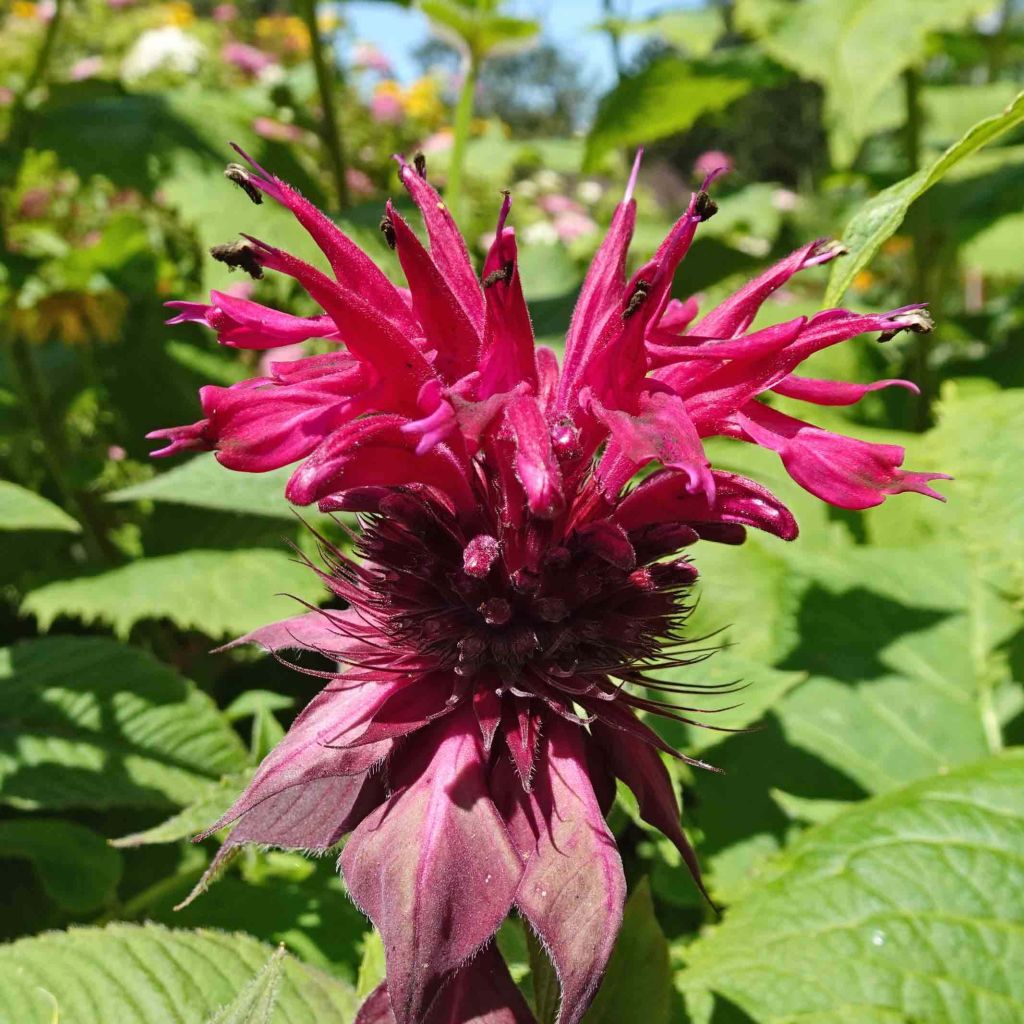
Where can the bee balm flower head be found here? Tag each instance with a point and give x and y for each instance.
(511, 589)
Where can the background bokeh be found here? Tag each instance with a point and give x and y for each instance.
(866, 838)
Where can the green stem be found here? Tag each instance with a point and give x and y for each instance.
(613, 37)
(35, 403)
(463, 120)
(922, 251)
(329, 129)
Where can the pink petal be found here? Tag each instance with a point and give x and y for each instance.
(662, 431)
(535, 462)
(251, 325)
(352, 267)
(447, 327)
(374, 452)
(641, 768)
(256, 429)
(311, 815)
(573, 889)
(368, 334)
(600, 298)
(507, 356)
(664, 498)
(834, 392)
(482, 992)
(434, 867)
(326, 632)
(840, 470)
(446, 244)
(520, 727)
(735, 315)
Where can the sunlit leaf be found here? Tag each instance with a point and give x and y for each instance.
(219, 593)
(665, 98)
(21, 509)
(203, 482)
(907, 907)
(86, 722)
(257, 1001)
(131, 974)
(879, 218)
(854, 49)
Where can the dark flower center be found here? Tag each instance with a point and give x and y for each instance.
(527, 611)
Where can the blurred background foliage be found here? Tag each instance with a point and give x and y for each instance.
(865, 840)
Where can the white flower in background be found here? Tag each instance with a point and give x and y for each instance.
(548, 180)
(527, 189)
(541, 233)
(162, 49)
(589, 192)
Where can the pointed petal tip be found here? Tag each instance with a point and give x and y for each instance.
(633, 174)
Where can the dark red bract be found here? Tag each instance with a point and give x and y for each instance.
(514, 593)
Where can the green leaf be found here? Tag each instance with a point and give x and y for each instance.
(905, 908)
(638, 983)
(663, 99)
(77, 868)
(372, 965)
(206, 808)
(86, 722)
(547, 995)
(131, 974)
(256, 1002)
(879, 218)
(694, 32)
(203, 482)
(854, 49)
(219, 593)
(21, 509)
(474, 28)
(898, 692)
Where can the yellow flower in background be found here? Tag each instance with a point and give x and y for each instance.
(283, 33)
(897, 245)
(72, 317)
(178, 13)
(422, 99)
(23, 9)
(327, 20)
(864, 280)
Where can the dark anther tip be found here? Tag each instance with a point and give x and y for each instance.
(241, 177)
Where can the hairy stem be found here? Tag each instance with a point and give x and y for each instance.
(330, 132)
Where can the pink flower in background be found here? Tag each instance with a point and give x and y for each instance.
(6, 96)
(386, 107)
(276, 131)
(369, 58)
(248, 59)
(556, 203)
(116, 453)
(572, 225)
(225, 13)
(359, 183)
(87, 67)
(512, 593)
(714, 161)
(439, 142)
(35, 202)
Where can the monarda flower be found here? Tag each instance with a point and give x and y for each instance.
(512, 591)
